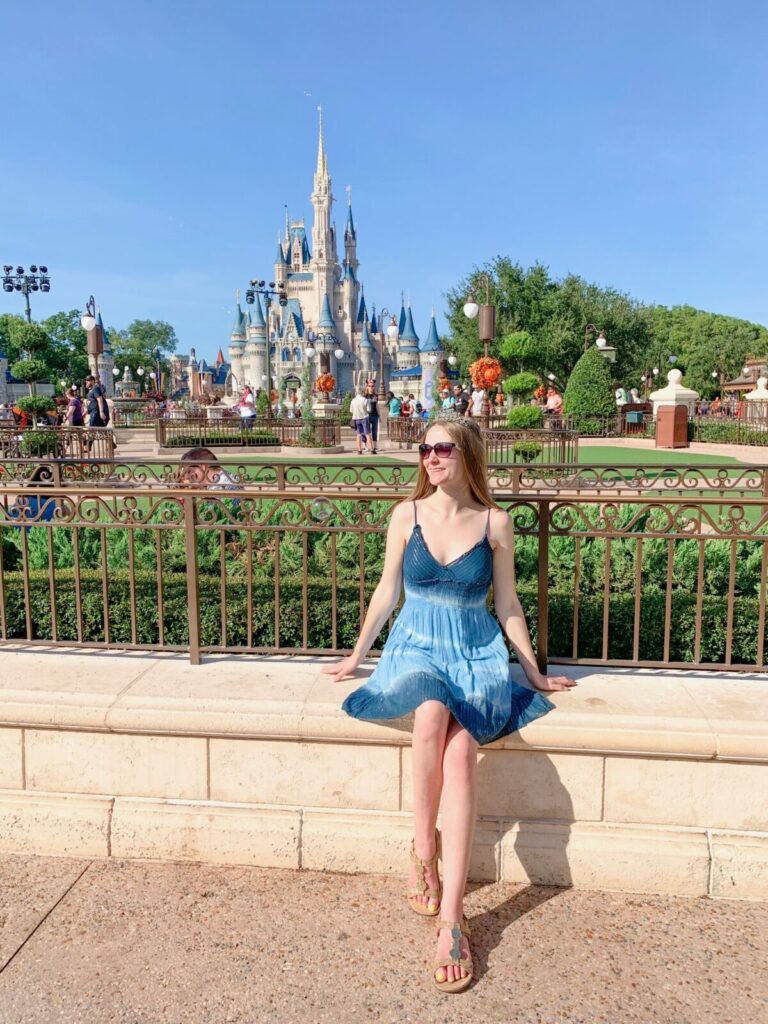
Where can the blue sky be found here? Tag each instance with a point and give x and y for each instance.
(148, 148)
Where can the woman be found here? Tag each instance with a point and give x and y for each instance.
(75, 414)
(446, 659)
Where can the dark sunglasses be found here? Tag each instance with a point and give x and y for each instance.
(442, 449)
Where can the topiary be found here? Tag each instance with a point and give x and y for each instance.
(520, 385)
(36, 405)
(345, 413)
(590, 388)
(526, 451)
(525, 417)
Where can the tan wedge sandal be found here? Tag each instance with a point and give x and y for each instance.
(422, 889)
(457, 929)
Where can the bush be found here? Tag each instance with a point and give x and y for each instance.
(40, 444)
(525, 417)
(263, 408)
(526, 451)
(520, 385)
(590, 388)
(345, 413)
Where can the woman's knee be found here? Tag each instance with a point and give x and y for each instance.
(460, 757)
(430, 721)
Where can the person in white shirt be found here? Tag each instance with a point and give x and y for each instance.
(476, 402)
(359, 410)
(247, 409)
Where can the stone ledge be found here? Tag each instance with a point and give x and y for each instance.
(640, 712)
(587, 855)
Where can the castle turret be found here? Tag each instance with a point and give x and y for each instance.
(236, 349)
(430, 351)
(255, 360)
(366, 349)
(408, 351)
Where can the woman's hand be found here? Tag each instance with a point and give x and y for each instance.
(342, 669)
(550, 684)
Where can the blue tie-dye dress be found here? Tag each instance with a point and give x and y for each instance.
(445, 645)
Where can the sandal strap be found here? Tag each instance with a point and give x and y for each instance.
(458, 930)
(425, 892)
(447, 961)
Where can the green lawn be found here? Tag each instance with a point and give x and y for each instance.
(625, 456)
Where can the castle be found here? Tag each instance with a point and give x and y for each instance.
(327, 309)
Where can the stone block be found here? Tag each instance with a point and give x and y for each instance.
(54, 825)
(740, 866)
(602, 856)
(361, 841)
(11, 775)
(116, 764)
(211, 833)
(307, 774)
(531, 784)
(707, 794)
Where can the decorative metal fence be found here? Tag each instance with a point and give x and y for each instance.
(385, 475)
(632, 581)
(752, 430)
(57, 442)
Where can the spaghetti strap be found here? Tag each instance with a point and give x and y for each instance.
(415, 520)
(488, 524)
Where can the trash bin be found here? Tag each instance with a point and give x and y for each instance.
(634, 417)
(672, 426)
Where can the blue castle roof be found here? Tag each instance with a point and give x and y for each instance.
(401, 322)
(349, 230)
(293, 310)
(326, 316)
(365, 340)
(349, 273)
(280, 255)
(362, 312)
(239, 324)
(432, 342)
(409, 331)
(374, 322)
(257, 318)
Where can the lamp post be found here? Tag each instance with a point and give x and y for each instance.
(390, 333)
(25, 281)
(268, 292)
(487, 322)
(95, 335)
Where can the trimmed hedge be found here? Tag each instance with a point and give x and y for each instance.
(621, 615)
(525, 417)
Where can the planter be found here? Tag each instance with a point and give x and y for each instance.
(325, 410)
(215, 412)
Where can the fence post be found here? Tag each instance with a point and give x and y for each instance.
(193, 580)
(542, 630)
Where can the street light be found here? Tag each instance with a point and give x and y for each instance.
(20, 280)
(487, 323)
(391, 333)
(267, 291)
(601, 341)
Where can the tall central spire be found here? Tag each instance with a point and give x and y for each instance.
(322, 162)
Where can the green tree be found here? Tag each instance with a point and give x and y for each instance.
(589, 391)
(32, 342)
(67, 354)
(143, 343)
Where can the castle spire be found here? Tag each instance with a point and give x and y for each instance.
(322, 161)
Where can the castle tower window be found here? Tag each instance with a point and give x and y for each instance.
(297, 354)
(286, 355)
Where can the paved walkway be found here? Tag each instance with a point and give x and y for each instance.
(147, 943)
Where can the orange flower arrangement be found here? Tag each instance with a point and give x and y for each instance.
(485, 372)
(325, 383)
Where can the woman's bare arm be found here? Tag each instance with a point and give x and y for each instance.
(384, 598)
(508, 608)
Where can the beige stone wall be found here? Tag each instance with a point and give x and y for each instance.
(250, 761)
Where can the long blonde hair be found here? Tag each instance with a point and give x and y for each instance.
(469, 438)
